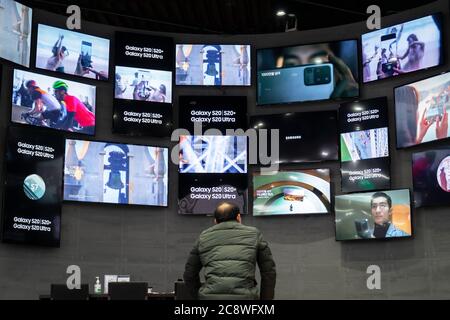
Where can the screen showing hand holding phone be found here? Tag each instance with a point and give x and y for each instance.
(388, 59)
(302, 83)
(362, 229)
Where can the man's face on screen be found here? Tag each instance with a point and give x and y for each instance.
(311, 54)
(381, 212)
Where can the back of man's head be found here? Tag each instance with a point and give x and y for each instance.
(226, 212)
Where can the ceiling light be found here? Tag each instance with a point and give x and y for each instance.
(281, 13)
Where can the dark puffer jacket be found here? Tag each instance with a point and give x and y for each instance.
(229, 252)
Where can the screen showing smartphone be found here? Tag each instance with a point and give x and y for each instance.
(389, 49)
(296, 84)
(86, 54)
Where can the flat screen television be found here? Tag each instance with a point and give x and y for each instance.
(213, 65)
(402, 48)
(303, 137)
(311, 72)
(33, 187)
(431, 178)
(213, 154)
(373, 215)
(293, 192)
(421, 111)
(143, 85)
(54, 103)
(71, 52)
(200, 194)
(365, 162)
(15, 35)
(116, 173)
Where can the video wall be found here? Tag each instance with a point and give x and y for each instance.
(222, 153)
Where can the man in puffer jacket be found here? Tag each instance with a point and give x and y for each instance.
(229, 252)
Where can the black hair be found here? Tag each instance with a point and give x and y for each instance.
(162, 88)
(226, 211)
(30, 83)
(382, 195)
(413, 37)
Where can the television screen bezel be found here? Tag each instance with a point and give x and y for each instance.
(411, 214)
(119, 204)
(70, 133)
(331, 184)
(214, 86)
(72, 74)
(413, 180)
(403, 21)
(395, 114)
(335, 111)
(358, 57)
(388, 158)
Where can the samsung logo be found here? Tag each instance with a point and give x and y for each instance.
(293, 137)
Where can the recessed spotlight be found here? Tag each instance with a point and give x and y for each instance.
(281, 13)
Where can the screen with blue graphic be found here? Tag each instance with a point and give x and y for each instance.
(213, 154)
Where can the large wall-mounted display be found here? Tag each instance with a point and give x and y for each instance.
(365, 162)
(311, 72)
(212, 169)
(107, 172)
(54, 103)
(373, 215)
(421, 111)
(72, 52)
(202, 193)
(431, 178)
(213, 65)
(143, 84)
(213, 112)
(33, 187)
(15, 35)
(292, 192)
(303, 137)
(402, 48)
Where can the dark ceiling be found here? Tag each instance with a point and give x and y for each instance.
(223, 16)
